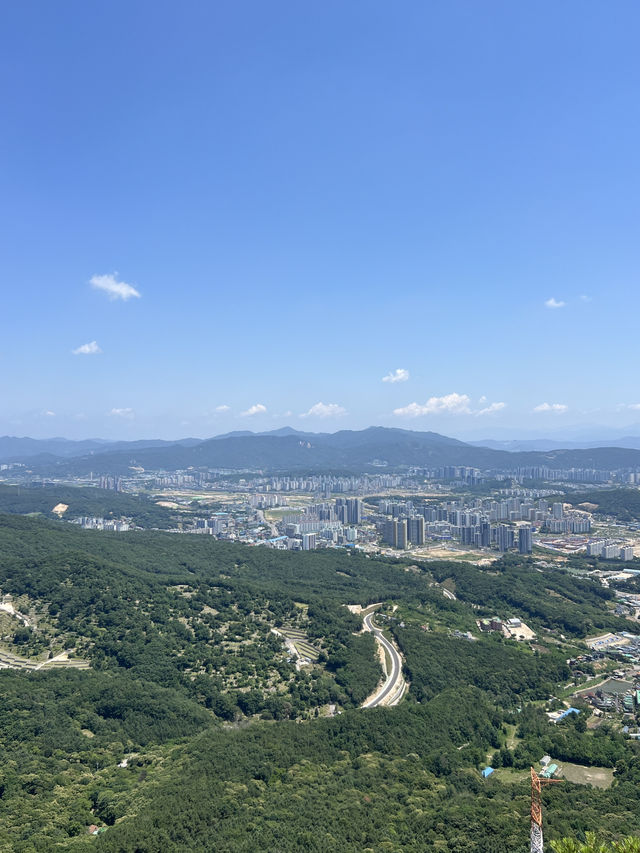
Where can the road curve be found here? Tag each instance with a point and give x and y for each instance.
(394, 678)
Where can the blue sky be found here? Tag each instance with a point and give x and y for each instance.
(306, 198)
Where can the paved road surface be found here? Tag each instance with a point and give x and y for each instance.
(394, 677)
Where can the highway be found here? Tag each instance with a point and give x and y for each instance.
(394, 683)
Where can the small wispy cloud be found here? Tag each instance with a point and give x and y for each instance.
(634, 406)
(223, 408)
(554, 303)
(91, 348)
(49, 414)
(257, 409)
(491, 408)
(122, 413)
(113, 288)
(558, 408)
(585, 298)
(398, 375)
(325, 410)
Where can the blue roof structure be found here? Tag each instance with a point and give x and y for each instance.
(567, 712)
(487, 772)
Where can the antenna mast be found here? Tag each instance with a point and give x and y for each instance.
(537, 843)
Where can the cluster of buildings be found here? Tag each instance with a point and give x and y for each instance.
(608, 549)
(570, 475)
(94, 523)
(113, 484)
(549, 769)
(328, 485)
(477, 523)
(453, 474)
(615, 695)
(181, 480)
(474, 476)
(514, 628)
(213, 526)
(323, 524)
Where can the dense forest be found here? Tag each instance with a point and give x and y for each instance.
(195, 730)
(549, 600)
(85, 501)
(505, 671)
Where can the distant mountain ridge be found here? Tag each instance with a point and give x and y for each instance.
(14, 448)
(288, 450)
(544, 444)
(279, 433)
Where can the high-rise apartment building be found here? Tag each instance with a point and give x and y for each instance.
(525, 539)
(401, 533)
(309, 541)
(354, 511)
(415, 530)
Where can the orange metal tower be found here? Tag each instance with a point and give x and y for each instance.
(537, 844)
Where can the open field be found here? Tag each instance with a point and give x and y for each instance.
(452, 554)
(204, 498)
(511, 776)
(599, 777)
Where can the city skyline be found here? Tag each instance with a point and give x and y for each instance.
(245, 219)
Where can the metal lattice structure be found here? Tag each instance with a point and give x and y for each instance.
(537, 842)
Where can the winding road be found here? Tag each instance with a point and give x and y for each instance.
(393, 688)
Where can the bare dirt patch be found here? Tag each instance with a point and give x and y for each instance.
(599, 777)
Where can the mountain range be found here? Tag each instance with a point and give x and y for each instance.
(14, 449)
(288, 449)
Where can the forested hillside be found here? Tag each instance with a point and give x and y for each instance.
(195, 730)
(623, 504)
(84, 501)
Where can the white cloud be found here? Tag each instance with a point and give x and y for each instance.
(634, 406)
(491, 408)
(554, 303)
(558, 408)
(223, 408)
(585, 298)
(398, 375)
(113, 288)
(122, 413)
(49, 414)
(91, 348)
(257, 409)
(450, 404)
(324, 410)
